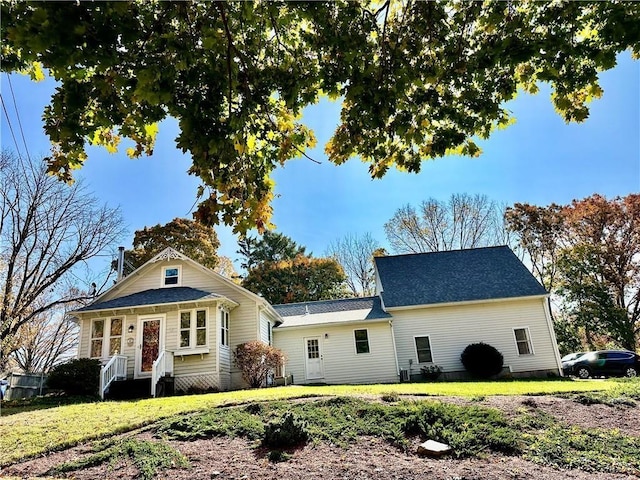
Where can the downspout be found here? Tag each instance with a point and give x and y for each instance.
(218, 328)
(395, 352)
(552, 332)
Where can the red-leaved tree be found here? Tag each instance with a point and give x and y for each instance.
(256, 360)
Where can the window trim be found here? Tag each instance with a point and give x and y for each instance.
(92, 338)
(105, 350)
(193, 347)
(224, 328)
(415, 349)
(355, 342)
(529, 341)
(163, 277)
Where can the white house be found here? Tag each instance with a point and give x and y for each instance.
(428, 308)
(173, 317)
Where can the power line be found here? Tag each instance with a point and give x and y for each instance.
(6, 114)
(15, 105)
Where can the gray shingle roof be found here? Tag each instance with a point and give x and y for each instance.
(454, 276)
(330, 306)
(157, 296)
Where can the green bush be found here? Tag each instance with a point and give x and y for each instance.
(482, 360)
(286, 432)
(76, 377)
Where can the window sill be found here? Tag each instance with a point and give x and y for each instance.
(191, 351)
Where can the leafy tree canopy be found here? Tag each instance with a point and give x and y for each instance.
(198, 242)
(588, 253)
(417, 79)
(301, 279)
(271, 247)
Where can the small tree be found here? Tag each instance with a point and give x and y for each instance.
(255, 360)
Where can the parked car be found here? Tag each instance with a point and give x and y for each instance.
(570, 357)
(604, 363)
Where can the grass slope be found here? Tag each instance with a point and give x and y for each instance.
(32, 433)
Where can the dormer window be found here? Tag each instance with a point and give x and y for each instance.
(171, 276)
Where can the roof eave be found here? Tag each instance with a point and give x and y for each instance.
(466, 302)
(220, 299)
(284, 326)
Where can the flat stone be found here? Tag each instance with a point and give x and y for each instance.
(433, 448)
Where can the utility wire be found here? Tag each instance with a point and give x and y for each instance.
(15, 105)
(6, 114)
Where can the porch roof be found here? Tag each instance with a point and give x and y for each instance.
(156, 296)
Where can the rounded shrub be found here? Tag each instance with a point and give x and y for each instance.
(80, 377)
(482, 360)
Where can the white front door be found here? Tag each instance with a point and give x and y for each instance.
(313, 355)
(149, 345)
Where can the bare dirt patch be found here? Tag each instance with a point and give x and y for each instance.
(370, 458)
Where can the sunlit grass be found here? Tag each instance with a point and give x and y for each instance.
(31, 433)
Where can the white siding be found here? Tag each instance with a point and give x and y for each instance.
(224, 356)
(243, 320)
(243, 327)
(151, 277)
(185, 363)
(452, 328)
(340, 361)
(265, 325)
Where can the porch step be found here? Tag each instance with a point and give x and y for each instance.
(165, 387)
(129, 389)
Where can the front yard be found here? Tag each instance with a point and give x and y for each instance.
(516, 420)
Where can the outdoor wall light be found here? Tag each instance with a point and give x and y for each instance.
(326, 335)
(130, 329)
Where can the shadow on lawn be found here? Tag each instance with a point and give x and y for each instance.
(11, 407)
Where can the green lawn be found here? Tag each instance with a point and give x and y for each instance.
(34, 432)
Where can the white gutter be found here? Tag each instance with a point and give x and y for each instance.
(552, 332)
(155, 305)
(284, 325)
(467, 302)
(395, 351)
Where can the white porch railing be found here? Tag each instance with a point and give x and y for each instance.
(161, 367)
(115, 369)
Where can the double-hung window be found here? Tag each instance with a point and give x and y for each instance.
(423, 349)
(171, 276)
(361, 338)
(224, 328)
(523, 341)
(106, 337)
(193, 328)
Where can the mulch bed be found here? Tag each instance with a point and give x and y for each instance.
(370, 458)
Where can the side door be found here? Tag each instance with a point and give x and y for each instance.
(314, 366)
(617, 362)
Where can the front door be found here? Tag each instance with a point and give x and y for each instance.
(149, 345)
(313, 352)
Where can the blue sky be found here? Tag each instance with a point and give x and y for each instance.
(538, 160)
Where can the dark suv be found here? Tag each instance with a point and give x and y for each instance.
(604, 363)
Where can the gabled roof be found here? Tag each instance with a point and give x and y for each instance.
(454, 276)
(331, 311)
(166, 255)
(156, 296)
